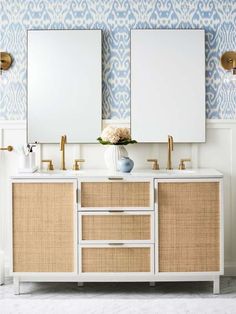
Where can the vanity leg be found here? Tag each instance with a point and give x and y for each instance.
(16, 282)
(216, 285)
(152, 284)
(80, 284)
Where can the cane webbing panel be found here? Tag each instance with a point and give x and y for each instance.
(116, 260)
(115, 194)
(43, 227)
(116, 227)
(189, 227)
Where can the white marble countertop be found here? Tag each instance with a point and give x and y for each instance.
(103, 173)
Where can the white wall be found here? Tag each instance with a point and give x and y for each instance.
(218, 152)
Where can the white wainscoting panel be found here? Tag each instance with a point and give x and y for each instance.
(11, 133)
(218, 152)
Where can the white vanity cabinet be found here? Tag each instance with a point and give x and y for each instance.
(144, 226)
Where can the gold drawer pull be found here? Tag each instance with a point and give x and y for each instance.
(116, 211)
(115, 178)
(119, 244)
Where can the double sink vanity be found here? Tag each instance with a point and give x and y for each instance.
(95, 226)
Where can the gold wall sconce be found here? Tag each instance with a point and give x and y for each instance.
(5, 61)
(228, 62)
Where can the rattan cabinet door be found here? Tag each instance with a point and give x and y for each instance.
(43, 227)
(189, 226)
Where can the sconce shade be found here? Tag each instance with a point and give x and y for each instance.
(228, 60)
(5, 61)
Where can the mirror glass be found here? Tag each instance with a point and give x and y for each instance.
(64, 85)
(168, 85)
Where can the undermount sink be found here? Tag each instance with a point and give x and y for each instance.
(170, 172)
(165, 172)
(187, 171)
(58, 171)
(173, 171)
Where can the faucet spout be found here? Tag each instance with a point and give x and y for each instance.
(170, 149)
(62, 149)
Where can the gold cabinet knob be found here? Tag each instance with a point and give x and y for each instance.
(155, 165)
(50, 164)
(77, 162)
(182, 163)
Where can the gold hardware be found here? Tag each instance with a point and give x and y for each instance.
(5, 61)
(228, 61)
(77, 196)
(115, 243)
(170, 149)
(182, 163)
(155, 165)
(62, 148)
(76, 165)
(115, 178)
(50, 164)
(9, 148)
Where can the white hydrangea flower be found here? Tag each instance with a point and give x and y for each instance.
(125, 134)
(114, 135)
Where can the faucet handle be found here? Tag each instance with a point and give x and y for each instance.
(50, 164)
(182, 163)
(155, 165)
(77, 162)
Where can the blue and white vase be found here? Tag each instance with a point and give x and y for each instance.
(125, 164)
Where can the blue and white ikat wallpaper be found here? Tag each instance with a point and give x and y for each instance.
(116, 18)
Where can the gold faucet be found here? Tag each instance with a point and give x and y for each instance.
(182, 163)
(155, 165)
(62, 148)
(170, 149)
(50, 164)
